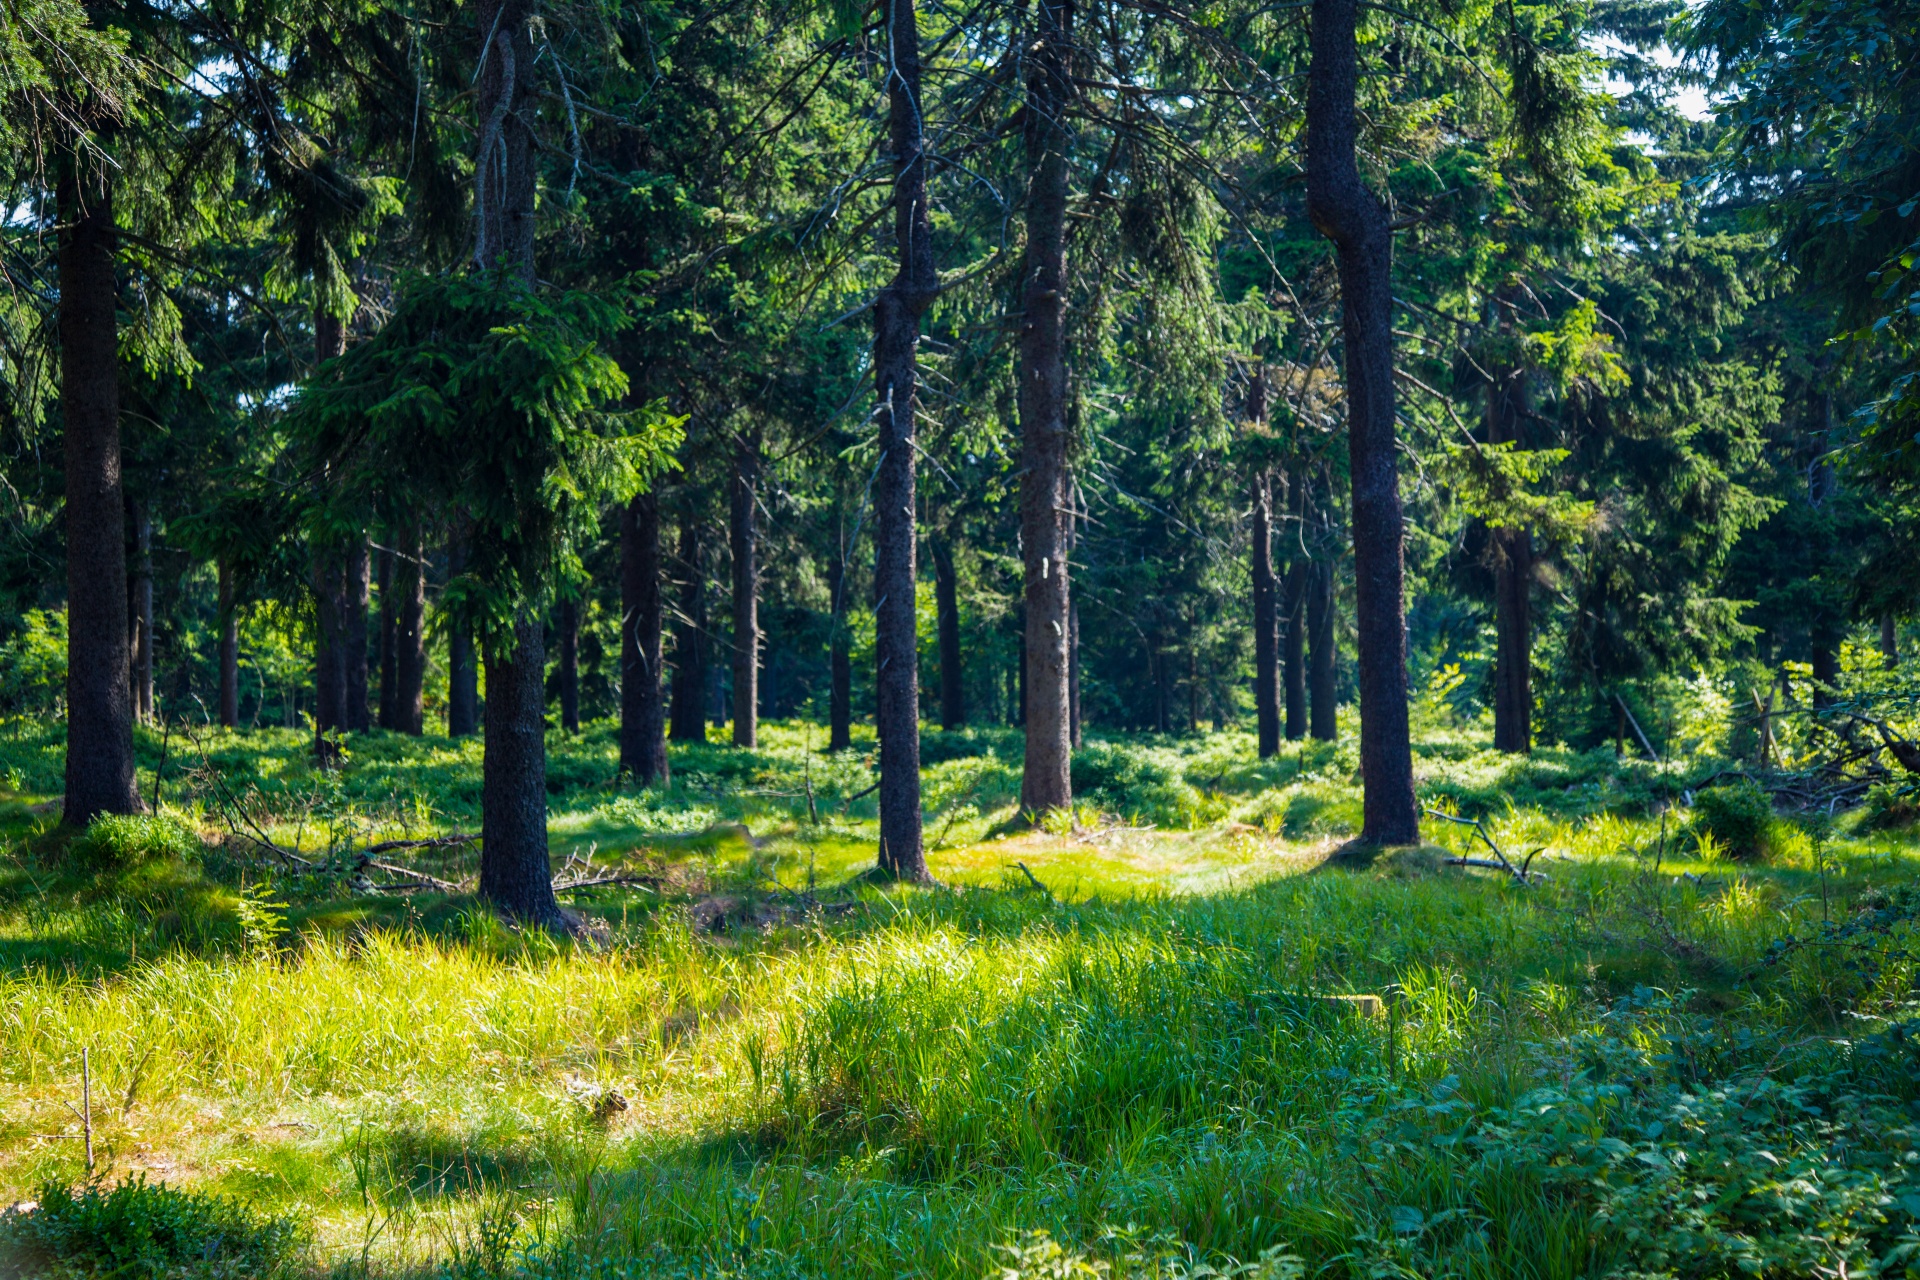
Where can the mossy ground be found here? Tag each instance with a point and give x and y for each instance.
(772, 1066)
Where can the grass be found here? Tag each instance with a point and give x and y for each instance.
(1624, 1067)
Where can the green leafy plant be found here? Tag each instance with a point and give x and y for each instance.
(122, 842)
(1739, 817)
(139, 1230)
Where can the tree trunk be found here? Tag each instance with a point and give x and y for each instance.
(896, 345)
(354, 632)
(410, 663)
(946, 598)
(743, 533)
(329, 649)
(1889, 641)
(840, 664)
(1826, 668)
(643, 739)
(389, 643)
(1266, 620)
(142, 609)
(1047, 779)
(1346, 212)
(99, 768)
(567, 624)
(463, 670)
(690, 640)
(1294, 611)
(515, 872)
(1323, 652)
(1511, 552)
(229, 650)
(1073, 670)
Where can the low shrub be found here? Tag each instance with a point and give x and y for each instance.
(1739, 818)
(150, 1231)
(122, 842)
(1890, 806)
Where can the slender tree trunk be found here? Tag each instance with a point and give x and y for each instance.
(99, 768)
(1826, 667)
(463, 668)
(229, 650)
(142, 637)
(840, 664)
(1346, 212)
(1047, 779)
(354, 633)
(1511, 552)
(389, 644)
(329, 649)
(1266, 620)
(1020, 675)
(1323, 652)
(568, 627)
(643, 739)
(515, 872)
(690, 640)
(410, 663)
(743, 534)
(896, 345)
(946, 598)
(1889, 640)
(1293, 620)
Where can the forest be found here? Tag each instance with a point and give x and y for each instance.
(1003, 639)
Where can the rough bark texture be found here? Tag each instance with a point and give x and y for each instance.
(99, 701)
(410, 638)
(1889, 640)
(1073, 671)
(1511, 552)
(329, 648)
(567, 625)
(946, 599)
(515, 873)
(839, 664)
(389, 643)
(229, 650)
(1266, 620)
(359, 586)
(1047, 779)
(690, 640)
(643, 738)
(463, 668)
(1293, 612)
(743, 539)
(1347, 213)
(141, 639)
(1323, 653)
(896, 346)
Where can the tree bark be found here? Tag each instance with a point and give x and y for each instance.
(1266, 620)
(840, 664)
(516, 874)
(1046, 782)
(329, 649)
(946, 598)
(463, 669)
(389, 644)
(1889, 640)
(229, 650)
(1293, 619)
(1073, 671)
(1826, 668)
(643, 739)
(1323, 652)
(1346, 212)
(354, 633)
(690, 640)
(896, 345)
(99, 766)
(410, 634)
(141, 640)
(743, 533)
(567, 624)
(1511, 552)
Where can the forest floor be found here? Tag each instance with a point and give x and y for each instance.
(1106, 1038)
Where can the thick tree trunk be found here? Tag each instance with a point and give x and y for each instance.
(1323, 652)
(389, 644)
(410, 635)
(99, 769)
(946, 599)
(1266, 620)
(839, 664)
(896, 345)
(354, 633)
(141, 640)
(1511, 552)
(1346, 212)
(567, 624)
(515, 872)
(643, 739)
(690, 640)
(329, 650)
(743, 534)
(229, 650)
(463, 668)
(1047, 780)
